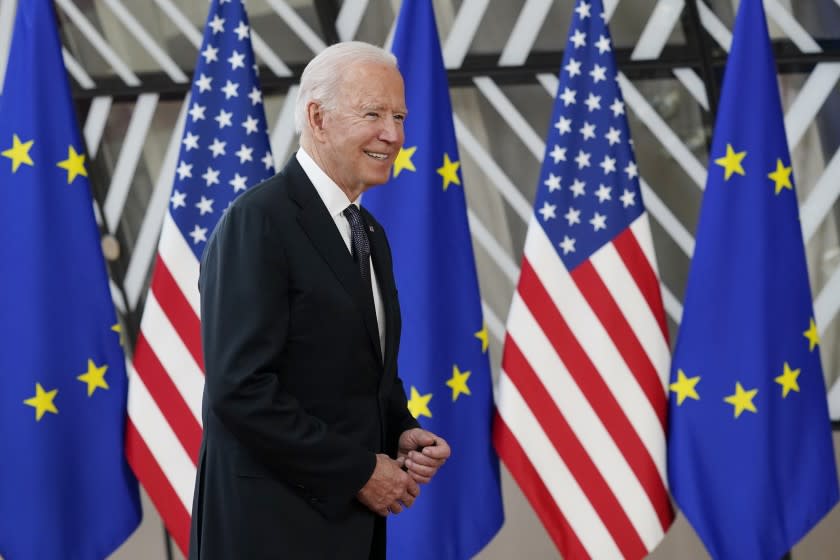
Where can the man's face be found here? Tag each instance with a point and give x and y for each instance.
(364, 134)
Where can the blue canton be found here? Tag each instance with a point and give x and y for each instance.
(225, 148)
(589, 188)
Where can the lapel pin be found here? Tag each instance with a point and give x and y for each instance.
(370, 228)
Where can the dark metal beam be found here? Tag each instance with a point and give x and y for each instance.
(696, 37)
(789, 60)
(327, 16)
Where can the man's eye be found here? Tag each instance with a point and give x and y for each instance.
(372, 115)
(399, 118)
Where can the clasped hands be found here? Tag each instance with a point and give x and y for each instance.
(394, 484)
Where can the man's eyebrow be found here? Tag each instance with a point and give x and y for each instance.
(380, 107)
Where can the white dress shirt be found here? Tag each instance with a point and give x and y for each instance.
(336, 202)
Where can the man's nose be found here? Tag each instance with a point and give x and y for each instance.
(391, 131)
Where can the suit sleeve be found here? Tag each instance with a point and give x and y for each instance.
(400, 419)
(245, 315)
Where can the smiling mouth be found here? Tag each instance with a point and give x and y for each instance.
(377, 156)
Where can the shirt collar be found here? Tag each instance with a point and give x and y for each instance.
(333, 197)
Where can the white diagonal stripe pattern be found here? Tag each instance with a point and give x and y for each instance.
(99, 43)
(139, 32)
(524, 33)
(132, 148)
(296, 24)
(462, 32)
(95, 123)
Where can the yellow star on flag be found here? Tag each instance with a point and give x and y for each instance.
(458, 383)
(781, 176)
(482, 336)
(74, 164)
(42, 402)
(788, 380)
(117, 328)
(418, 404)
(94, 377)
(403, 160)
(684, 387)
(812, 335)
(19, 153)
(731, 162)
(742, 400)
(449, 171)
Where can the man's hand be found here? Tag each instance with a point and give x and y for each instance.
(389, 488)
(422, 453)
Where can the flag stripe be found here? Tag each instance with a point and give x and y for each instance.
(577, 458)
(627, 295)
(180, 260)
(601, 301)
(173, 355)
(562, 486)
(165, 448)
(534, 488)
(574, 383)
(167, 397)
(594, 346)
(178, 311)
(643, 273)
(156, 484)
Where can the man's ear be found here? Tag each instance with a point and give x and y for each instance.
(315, 117)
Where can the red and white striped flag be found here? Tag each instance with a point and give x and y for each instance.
(581, 411)
(225, 149)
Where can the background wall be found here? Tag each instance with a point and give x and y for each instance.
(131, 63)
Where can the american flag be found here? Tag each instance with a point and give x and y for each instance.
(225, 149)
(581, 420)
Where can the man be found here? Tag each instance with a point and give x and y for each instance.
(308, 444)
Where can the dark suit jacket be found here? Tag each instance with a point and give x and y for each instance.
(297, 400)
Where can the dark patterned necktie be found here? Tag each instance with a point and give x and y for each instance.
(361, 253)
(360, 242)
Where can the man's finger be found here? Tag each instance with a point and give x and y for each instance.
(439, 451)
(422, 470)
(425, 460)
(413, 488)
(421, 479)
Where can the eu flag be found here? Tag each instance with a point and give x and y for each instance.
(65, 489)
(751, 462)
(443, 357)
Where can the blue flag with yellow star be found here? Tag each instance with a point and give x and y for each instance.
(750, 456)
(65, 490)
(443, 359)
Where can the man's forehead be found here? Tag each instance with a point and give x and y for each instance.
(375, 93)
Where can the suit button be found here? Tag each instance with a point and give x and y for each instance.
(314, 500)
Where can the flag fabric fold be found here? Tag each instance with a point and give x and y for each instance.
(751, 460)
(443, 359)
(66, 490)
(582, 421)
(224, 151)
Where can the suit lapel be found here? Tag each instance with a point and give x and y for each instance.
(381, 257)
(319, 226)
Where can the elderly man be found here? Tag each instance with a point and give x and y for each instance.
(308, 445)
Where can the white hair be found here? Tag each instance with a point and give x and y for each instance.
(323, 75)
